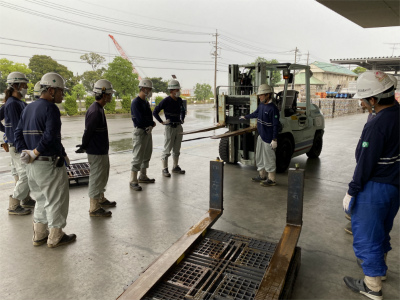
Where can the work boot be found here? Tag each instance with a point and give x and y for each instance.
(133, 184)
(261, 176)
(59, 238)
(15, 209)
(143, 177)
(360, 261)
(348, 229)
(348, 217)
(359, 286)
(104, 202)
(178, 170)
(96, 210)
(166, 173)
(268, 182)
(40, 234)
(175, 167)
(28, 202)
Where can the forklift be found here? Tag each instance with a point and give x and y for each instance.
(301, 123)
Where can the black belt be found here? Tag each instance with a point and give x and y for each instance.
(174, 124)
(45, 158)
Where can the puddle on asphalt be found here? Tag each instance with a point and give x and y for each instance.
(121, 145)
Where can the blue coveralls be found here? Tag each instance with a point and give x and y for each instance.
(375, 187)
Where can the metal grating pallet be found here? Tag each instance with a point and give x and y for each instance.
(220, 266)
(78, 173)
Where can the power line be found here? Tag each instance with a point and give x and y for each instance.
(108, 19)
(133, 57)
(66, 21)
(83, 62)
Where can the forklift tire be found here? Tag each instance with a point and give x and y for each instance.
(284, 154)
(316, 148)
(224, 150)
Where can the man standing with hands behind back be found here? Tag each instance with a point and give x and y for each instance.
(95, 143)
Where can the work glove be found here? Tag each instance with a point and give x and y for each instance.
(274, 144)
(166, 122)
(80, 149)
(28, 156)
(242, 118)
(348, 202)
(149, 129)
(66, 160)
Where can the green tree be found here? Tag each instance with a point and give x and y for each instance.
(89, 101)
(119, 73)
(276, 75)
(79, 92)
(93, 59)
(202, 91)
(159, 85)
(89, 78)
(70, 105)
(42, 64)
(158, 100)
(110, 107)
(359, 70)
(126, 103)
(8, 66)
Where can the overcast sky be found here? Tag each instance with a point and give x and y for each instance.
(163, 36)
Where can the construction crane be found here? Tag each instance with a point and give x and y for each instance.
(123, 54)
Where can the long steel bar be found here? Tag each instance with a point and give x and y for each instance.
(235, 133)
(168, 259)
(203, 129)
(274, 278)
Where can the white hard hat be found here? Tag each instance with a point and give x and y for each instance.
(394, 79)
(147, 83)
(16, 77)
(103, 86)
(264, 89)
(174, 85)
(373, 83)
(53, 80)
(36, 90)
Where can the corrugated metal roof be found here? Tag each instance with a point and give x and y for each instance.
(300, 79)
(330, 68)
(384, 63)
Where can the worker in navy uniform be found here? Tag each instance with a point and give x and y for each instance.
(142, 139)
(174, 112)
(36, 91)
(19, 201)
(5, 145)
(95, 143)
(373, 195)
(38, 138)
(267, 115)
(365, 104)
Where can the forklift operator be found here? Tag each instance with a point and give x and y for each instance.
(267, 115)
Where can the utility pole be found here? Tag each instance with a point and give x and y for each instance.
(215, 67)
(294, 71)
(308, 56)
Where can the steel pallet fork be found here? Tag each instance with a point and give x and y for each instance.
(211, 264)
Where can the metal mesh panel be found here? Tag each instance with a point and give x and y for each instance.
(234, 287)
(254, 258)
(185, 274)
(219, 235)
(165, 291)
(209, 247)
(262, 245)
(78, 170)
